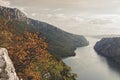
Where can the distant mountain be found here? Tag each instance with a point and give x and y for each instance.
(110, 48)
(59, 42)
(103, 36)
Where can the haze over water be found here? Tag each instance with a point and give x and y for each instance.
(90, 66)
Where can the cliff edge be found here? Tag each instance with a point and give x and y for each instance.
(7, 70)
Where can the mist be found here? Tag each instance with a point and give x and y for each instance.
(86, 17)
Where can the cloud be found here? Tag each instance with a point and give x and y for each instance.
(104, 19)
(56, 16)
(33, 14)
(100, 21)
(58, 9)
(44, 9)
(61, 16)
(50, 15)
(4, 3)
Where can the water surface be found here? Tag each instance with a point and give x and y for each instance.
(90, 66)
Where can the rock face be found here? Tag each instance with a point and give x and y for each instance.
(12, 14)
(7, 70)
(110, 48)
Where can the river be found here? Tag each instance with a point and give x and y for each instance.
(90, 66)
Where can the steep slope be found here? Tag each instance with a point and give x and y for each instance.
(110, 48)
(60, 42)
(30, 56)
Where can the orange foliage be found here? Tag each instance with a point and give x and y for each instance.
(30, 56)
(25, 50)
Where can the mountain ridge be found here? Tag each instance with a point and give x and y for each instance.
(60, 42)
(12, 14)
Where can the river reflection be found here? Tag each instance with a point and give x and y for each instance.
(90, 66)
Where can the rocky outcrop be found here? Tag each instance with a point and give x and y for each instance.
(7, 70)
(110, 48)
(12, 14)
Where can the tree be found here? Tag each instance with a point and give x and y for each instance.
(25, 50)
(30, 56)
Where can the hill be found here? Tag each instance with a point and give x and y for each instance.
(60, 42)
(110, 48)
(30, 55)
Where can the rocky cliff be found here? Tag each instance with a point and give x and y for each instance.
(12, 14)
(110, 48)
(7, 70)
(60, 42)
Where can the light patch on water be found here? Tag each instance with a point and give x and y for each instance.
(90, 66)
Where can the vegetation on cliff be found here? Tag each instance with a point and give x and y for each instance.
(30, 55)
(60, 42)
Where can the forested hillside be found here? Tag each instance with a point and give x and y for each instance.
(60, 42)
(30, 55)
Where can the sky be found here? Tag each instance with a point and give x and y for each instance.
(85, 17)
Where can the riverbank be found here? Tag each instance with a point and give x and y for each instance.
(90, 66)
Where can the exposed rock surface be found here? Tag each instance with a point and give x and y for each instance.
(12, 14)
(110, 48)
(7, 70)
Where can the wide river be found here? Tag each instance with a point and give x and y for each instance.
(90, 66)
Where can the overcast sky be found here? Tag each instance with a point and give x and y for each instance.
(77, 16)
